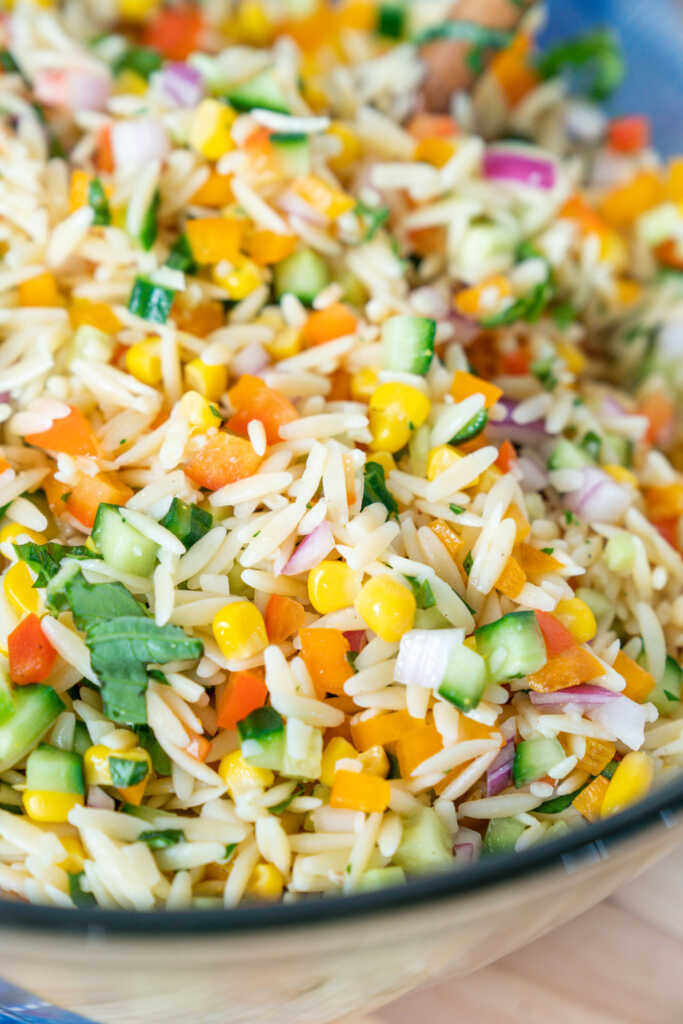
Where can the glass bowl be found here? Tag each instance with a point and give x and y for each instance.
(318, 960)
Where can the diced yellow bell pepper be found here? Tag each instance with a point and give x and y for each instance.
(143, 361)
(209, 379)
(12, 531)
(359, 791)
(240, 777)
(18, 588)
(210, 131)
(75, 854)
(201, 415)
(336, 750)
(240, 279)
(328, 201)
(631, 782)
(40, 291)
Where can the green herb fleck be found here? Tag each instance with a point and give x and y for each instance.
(45, 559)
(375, 489)
(180, 257)
(373, 218)
(547, 551)
(351, 658)
(467, 563)
(457, 510)
(229, 850)
(422, 592)
(97, 200)
(569, 517)
(125, 772)
(143, 60)
(595, 55)
(161, 839)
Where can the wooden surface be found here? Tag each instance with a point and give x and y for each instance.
(620, 963)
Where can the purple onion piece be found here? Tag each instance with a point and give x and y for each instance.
(499, 775)
(584, 697)
(598, 498)
(506, 165)
(357, 639)
(182, 84)
(313, 548)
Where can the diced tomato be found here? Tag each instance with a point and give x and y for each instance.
(70, 435)
(557, 637)
(660, 411)
(91, 491)
(629, 134)
(515, 364)
(31, 655)
(507, 456)
(176, 31)
(668, 529)
(283, 617)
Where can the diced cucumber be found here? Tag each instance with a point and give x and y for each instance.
(557, 803)
(6, 698)
(261, 91)
(10, 800)
(408, 344)
(566, 455)
(472, 428)
(150, 301)
(484, 250)
(425, 843)
(617, 449)
(534, 759)
(430, 618)
(465, 678)
(380, 878)
(418, 446)
(262, 738)
(54, 770)
(591, 444)
(620, 552)
(293, 151)
(35, 709)
(91, 344)
(237, 586)
(80, 896)
(512, 646)
(188, 523)
(307, 765)
(121, 545)
(666, 695)
(81, 740)
(597, 602)
(303, 274)
(502, 834)
(557, 829)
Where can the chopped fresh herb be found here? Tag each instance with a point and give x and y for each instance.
(92, 603)
(467, 562)
(457, 510)
(143, 60)
(148, 231)
(595, 55)
(77, 893)
(422, 592)
(591, 444)
(569, 517)
(216, 411)
(373, 218)
(123, 440)
(161, 839)
(150, 301)
(147, 740)
(558, 803)
(547, 551)
(351, 658)
(157, 675)
(564, 314)
(16, 809)
(528, 307)
(543, 371)
(65, 497)
(391, 20)
(189, 523)
(97, 200)
(284, 804)
(45, 559)
(125, 772)
(229, 850)
(472, 428)
(375, 488)
(180, 257)
(8, 63)
(481, 38)
(3, 508)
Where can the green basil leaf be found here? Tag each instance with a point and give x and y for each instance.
(161, 839)
(45, 559)
(375, 488)
(125, 772)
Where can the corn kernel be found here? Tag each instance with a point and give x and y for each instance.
(435, 151)
(239, 630)
(389, 432)
(238, 279)
(622, 475)
(78, 189)
(573, 357)
(210, 380)
(210, 131)
(350, 147)
(364, 384)
(336, 750)
(631, 782)
(578, 619)
(395, 411)
(200, 414)
(40, 291)
(96, 767)
(130, 83)
(628, 292)
(143, 361)
(18, 587)
(12, 532)
(253, 24)
(387, 607)
(241, 777)
(285, 344)
(374, 761)
(265, 883)
(137, 10)
(441, 458)
(332, 586)
(42, 805)
(75, 854)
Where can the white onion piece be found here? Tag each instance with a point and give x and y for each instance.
(136, 143)
(72, 88)
(598, 498)
(251, 359)
(423, 656)
(625, 719)
(98, 798)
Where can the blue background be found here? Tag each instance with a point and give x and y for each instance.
(651, 33)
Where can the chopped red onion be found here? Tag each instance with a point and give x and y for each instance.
(467, 846)
(582, 697)
(519, 433)
(181, 84)
(465, 330)
(599, 498)
(509, 165)
(72, 88)
(625, 719)
(357, 639)
(137, 143)
(251, 359)
(463, 854)
(499, 775)
(534, 476)
(98, 798)
(313, 548)
(423, 656)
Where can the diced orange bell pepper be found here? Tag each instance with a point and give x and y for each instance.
(471, 302)
(507, 457)
(31, 655)
(624, 203)
(669, 254)
(381, 730)
(434, 151)
(324, 652)
(215, 192)
(245, 692)
(466, 384)
(199, 320)
(629, 134)
(660, 411)
(512, 579)
(198, 747)
(589, 801)
(639, 682)
(521, 522)
(267, 247)
(425, 126)
(70, 435)
(416, 746)
(104, 153)
(598, 755)
(322, 325)
(665, 502)
(175, 32)
(557, 637)
(91, 491)
(359, 791)
(512, 70)
(447, 535)
(78, 189)
(668, 529)
(576, 208)
(425, 241)
(570, 668)
(213, 239)
(536, 562)
(57, 495)
(283, 617)
(223, 460)
(40, 291)
(253, 400)
(326, 200)
(340, 388)
(96, 314)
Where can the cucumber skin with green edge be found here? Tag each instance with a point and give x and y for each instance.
(310, 765)
(293, 151)
(502, 834)
(54, 770)
(666, 695)
(472, 428)
(120, 544)
(35, 709)
(304, 274)
(408, 344)
(81, 741)
(6, 698)
(262, 738)
(566, 455)
(188, 523)
(465, 679)
(525, 647)
(380, 878)
(425, 844)
(150, 301)
(534, 758)
(261, 91)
